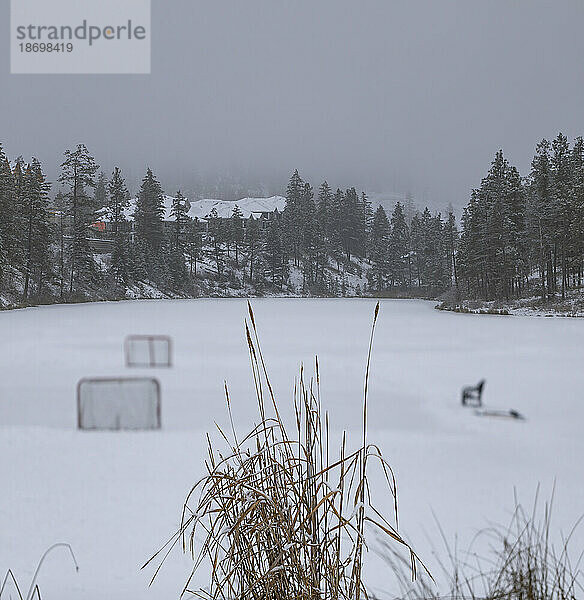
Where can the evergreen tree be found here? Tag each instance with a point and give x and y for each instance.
(177, 270)
(367, 213)
(417, 247)
(350, 220)
(7, 213)
(149, 227)
(61, 207)
(193, 244)
(17, 217)
(541, 216)
(563, 210)
(426, 250)
(398, 251)
(117, 202)
(469, 258)
(77, 175)
(177, 266)
(324, 208)
(253, 242)
(275, 255)
(216, 230)
(379, 272)
(293, 216)
(237, 231)
(36, 236)
(576, 242)
(179, 212)
(336, 227)
(122, 266)
(140, 269)
(451, 239)
(310, 243)
(149, 214)
(437, 264)
(516, 233)
(322, 231)
(493, 254)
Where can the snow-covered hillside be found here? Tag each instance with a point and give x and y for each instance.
(116, 497)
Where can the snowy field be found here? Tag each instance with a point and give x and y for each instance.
(117, 496)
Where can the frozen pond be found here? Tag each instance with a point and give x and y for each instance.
(116, 496)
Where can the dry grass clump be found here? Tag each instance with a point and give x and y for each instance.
(281, 517)
(523, 564)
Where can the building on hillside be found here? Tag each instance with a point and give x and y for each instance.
(103, 221)
(263, 209)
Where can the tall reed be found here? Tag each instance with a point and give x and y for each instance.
(282, 516)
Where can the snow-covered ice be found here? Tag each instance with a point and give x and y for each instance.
(116, 497)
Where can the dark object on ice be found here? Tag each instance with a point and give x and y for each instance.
(510, 414)
(472, 394)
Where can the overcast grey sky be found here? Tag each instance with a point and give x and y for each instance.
(403, 96)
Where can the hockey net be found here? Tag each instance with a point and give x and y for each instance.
(148, 351)
(118, 403)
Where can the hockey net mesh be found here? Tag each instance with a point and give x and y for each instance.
(118, 403)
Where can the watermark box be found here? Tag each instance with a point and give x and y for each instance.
(80, 36)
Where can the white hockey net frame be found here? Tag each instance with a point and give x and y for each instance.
(82, 403)
(150, 356)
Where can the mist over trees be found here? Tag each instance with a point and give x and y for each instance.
(518, 236)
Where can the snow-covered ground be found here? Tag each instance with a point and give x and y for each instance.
(571, 306)
(116, 497)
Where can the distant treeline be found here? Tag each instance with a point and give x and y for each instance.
(518, 236)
